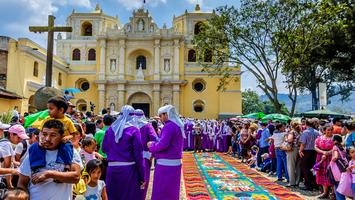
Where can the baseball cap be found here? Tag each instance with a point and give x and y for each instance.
(4, 126)
(19, 130)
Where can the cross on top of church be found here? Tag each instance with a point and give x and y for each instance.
(50, 29)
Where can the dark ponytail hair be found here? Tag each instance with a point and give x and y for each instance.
(337, 141)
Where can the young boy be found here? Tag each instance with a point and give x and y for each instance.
(57, 106)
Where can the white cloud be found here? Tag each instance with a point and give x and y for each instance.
(33, 13)
(80, 3)
(134, 4)
(195, 2)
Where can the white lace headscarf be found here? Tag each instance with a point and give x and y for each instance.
(173, 116)
(140, 118)
(125, 120)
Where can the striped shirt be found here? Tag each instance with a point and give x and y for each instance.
(308, 138)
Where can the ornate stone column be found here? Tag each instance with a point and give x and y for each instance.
(121, 60)
(157, 59)
(176, 97)
(102, 59)
(121, 96)
(176, 59)
(101, 89)
(156, 99)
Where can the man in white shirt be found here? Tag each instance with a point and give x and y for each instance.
(52, 181)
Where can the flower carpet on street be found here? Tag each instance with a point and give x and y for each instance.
(215, 176)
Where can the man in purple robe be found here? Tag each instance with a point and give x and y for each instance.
(186, 141)
(147, 134)
(123, 147)
(168, 152)
(189, 140)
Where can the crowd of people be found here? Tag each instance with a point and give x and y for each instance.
(318, 153)
(75, 155)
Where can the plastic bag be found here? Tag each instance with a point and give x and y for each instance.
(335, 170)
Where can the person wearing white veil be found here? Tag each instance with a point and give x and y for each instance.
(123, 147)
(147, 134)
(168, 153)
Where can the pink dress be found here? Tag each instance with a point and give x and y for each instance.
(86, 157)
(325, 144)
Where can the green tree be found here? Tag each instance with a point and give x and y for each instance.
(318, 46)
(246, 37)
(251, 102)
(268, 108)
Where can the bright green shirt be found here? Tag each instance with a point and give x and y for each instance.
(99, 137)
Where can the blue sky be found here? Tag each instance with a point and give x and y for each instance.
(17, 15)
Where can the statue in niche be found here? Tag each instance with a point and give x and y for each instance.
(112, 107)
(140, 75)
(59, 36)
(151, 28)
(129, 28)
(140, 25)
(113, 65)
(166, 65)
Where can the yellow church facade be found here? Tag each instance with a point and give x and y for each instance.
(135, 63)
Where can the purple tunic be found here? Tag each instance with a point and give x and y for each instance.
(166, 183)
(189, 140)
(123, 182)
(147, 134)
(186, 142)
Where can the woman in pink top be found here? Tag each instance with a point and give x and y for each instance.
(324, 145)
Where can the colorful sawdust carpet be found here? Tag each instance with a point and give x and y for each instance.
(279, 191)
(212, 176)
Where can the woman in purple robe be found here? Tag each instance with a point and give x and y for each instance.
(204, 135)
(147, 134)
(190, 135)
(123, 146)
(186, 141)
(210, 130)
(168, 152)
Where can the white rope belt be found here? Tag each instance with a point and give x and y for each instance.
(147, 155)
(115, 164)
(169, 162)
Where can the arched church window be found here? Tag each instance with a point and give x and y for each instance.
(199, 106)
(207, 56)
(198, 28)
(35, 69)
(191, 56)
(92, 55)
(141, 62)
(76, 54)
(86, 29)
(60, 81)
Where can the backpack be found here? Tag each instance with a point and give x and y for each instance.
(24, 149)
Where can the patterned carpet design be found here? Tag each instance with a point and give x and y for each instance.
(194, 185)
(218, 177)
(277, 190)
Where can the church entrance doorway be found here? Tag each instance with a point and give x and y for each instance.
(143, 106)
(140, 100)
